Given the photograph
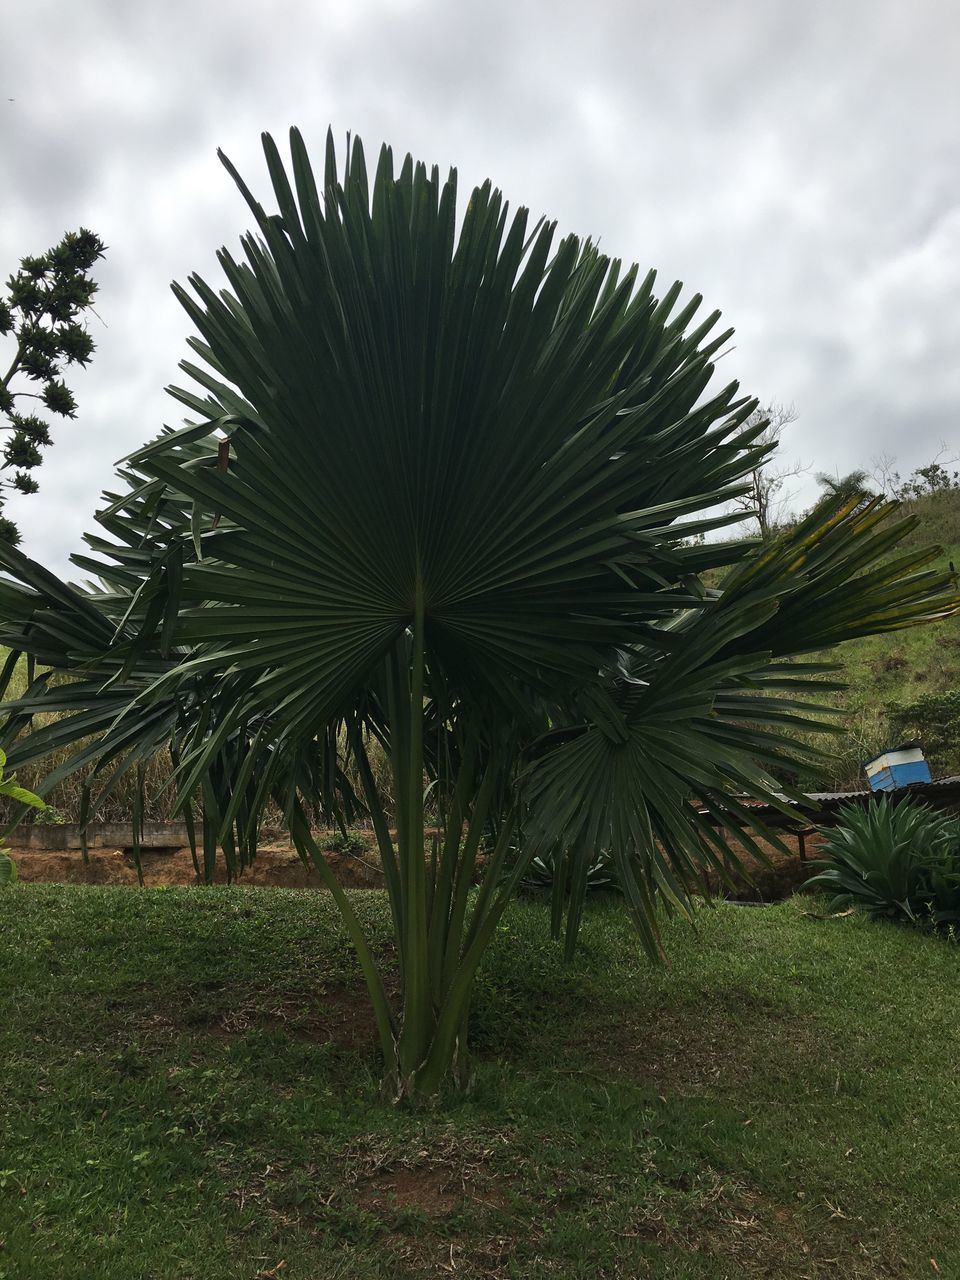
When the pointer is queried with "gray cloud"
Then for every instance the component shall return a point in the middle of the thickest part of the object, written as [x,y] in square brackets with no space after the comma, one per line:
[795,164]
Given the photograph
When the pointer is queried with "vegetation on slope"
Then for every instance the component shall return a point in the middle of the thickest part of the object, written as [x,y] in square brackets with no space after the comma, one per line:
[919,666]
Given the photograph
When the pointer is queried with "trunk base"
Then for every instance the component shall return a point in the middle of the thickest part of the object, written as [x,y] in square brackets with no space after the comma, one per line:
[424,1087]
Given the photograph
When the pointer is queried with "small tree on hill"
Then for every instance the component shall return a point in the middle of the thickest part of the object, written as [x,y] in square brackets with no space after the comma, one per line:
[933,478]
[937,476]
[41,312]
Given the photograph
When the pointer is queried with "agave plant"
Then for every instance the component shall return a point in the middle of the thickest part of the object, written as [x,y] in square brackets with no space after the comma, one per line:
[893,858]
[544,875]
[441,489]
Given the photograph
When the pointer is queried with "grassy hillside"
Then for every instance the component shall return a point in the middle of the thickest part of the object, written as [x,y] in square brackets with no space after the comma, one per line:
[190,1090]
[889,671]
[897,670]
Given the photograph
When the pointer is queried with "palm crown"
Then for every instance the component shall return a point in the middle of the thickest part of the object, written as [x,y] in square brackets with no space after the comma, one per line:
[439,490]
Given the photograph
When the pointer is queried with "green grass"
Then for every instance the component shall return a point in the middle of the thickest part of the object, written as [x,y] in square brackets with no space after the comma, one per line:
[190,1089]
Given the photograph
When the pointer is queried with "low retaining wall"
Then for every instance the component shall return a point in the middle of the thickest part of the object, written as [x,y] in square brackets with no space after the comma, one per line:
[100,835]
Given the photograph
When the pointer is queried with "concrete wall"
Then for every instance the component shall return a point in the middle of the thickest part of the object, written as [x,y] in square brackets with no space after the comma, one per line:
[100,835]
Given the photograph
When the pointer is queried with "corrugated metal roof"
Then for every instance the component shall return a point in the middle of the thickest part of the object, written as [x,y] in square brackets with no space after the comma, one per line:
[837,797]
[818,797]
[833,797]
[821,798]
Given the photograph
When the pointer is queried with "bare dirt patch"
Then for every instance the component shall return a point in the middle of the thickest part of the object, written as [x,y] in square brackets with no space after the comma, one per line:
[771,881]
[434,1191]
[276,866]
[435,1179]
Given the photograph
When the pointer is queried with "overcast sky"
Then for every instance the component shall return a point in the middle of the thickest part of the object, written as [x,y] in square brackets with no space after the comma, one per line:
[795,163]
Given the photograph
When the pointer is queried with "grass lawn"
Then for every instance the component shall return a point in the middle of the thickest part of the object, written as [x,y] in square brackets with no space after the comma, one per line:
[190,1089]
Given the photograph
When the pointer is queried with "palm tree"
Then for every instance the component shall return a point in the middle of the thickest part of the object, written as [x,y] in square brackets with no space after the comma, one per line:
[852,485]
[438,493]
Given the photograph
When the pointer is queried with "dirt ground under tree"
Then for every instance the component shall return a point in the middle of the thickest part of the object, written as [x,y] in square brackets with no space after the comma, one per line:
[278,866]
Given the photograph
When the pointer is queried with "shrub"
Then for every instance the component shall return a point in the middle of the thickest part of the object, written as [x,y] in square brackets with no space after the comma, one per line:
[48,816]
[348,843]
[896,859]
[17,796]
[935,719]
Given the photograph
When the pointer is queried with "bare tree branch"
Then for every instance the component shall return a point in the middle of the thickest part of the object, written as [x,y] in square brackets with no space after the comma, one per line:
[769,498]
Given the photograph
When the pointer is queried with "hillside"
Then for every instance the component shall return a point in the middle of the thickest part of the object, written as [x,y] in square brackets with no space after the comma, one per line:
[900,670]
[904,668]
